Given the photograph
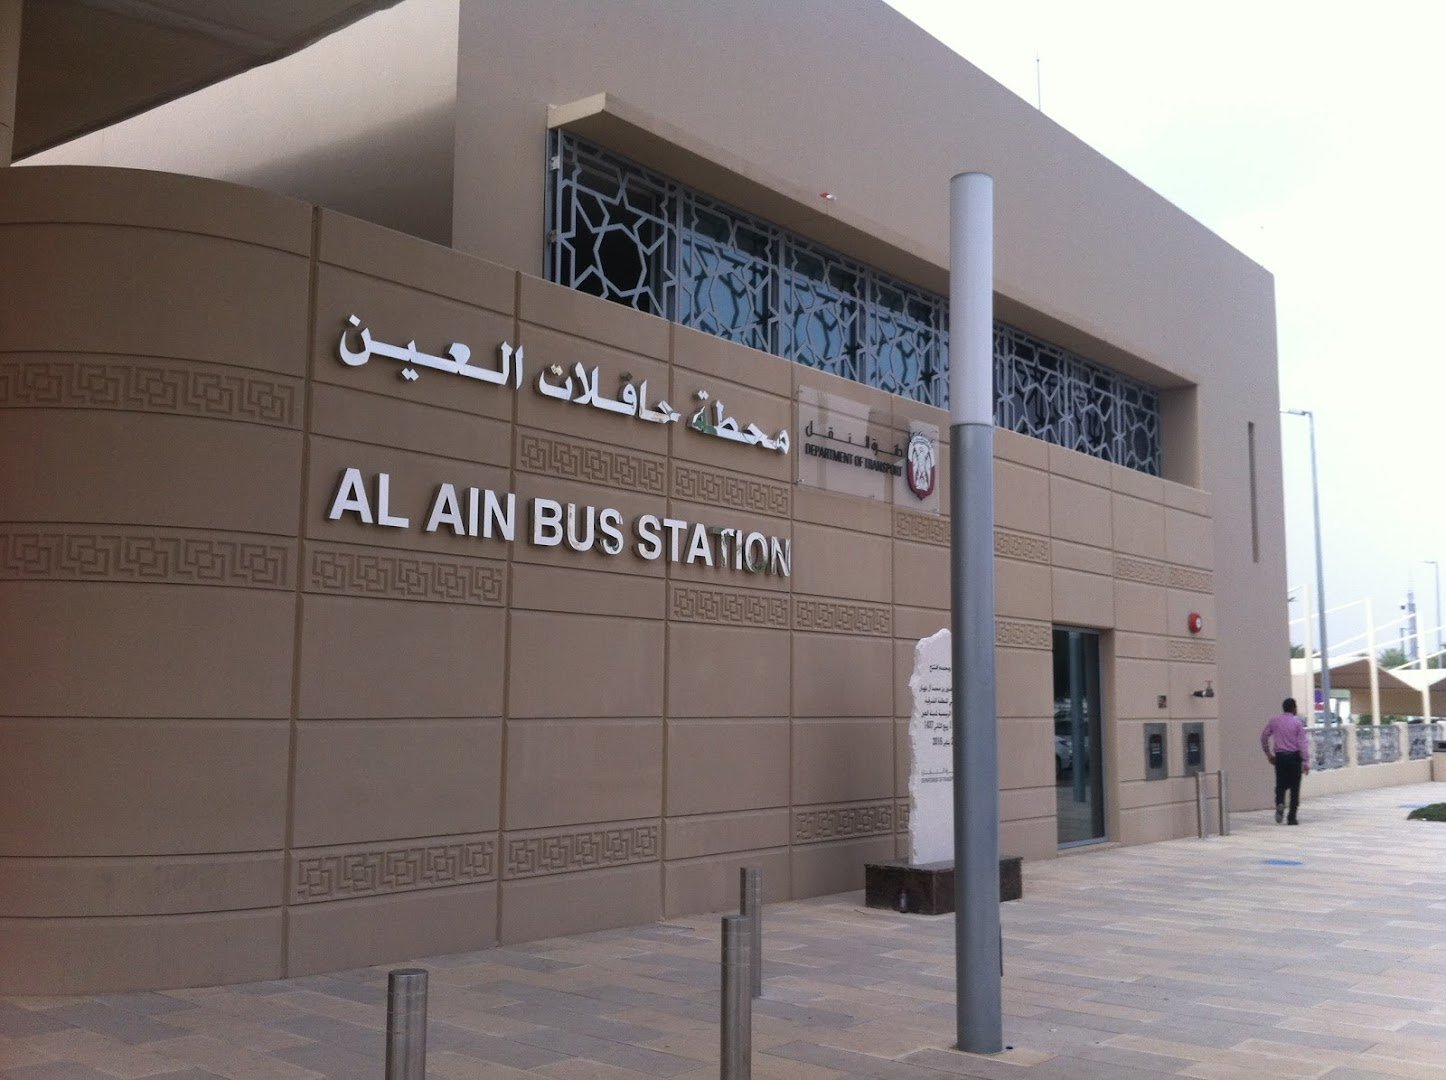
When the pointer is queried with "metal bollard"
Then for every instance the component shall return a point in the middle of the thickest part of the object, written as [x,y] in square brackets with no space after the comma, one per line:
[750,905]
[1224,805]
[1202,802]
[407,1024]
[735,1061]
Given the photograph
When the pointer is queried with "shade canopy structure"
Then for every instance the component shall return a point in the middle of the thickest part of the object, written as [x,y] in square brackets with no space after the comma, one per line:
[1400,688]
[86,64]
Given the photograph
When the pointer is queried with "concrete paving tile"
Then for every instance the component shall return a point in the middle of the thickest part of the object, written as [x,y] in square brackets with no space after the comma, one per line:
[1280,1068]
[546,996]
[323,1029]
[1214,1070]
[881,1040]
[53,1072]
[451,1066]
[529,961]
[17,1052]
[849,1062]
[338,1062]
[1077,1068]
[228,1061]
[630,997]
[235,1030]
[499,1051]
[970,1066]
[101,1052]
[146,1004]
[641,1059]
[601,1027]
[15,1021]
[312,1003]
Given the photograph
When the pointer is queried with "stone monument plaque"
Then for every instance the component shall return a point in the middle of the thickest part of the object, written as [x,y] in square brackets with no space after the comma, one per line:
[931,752]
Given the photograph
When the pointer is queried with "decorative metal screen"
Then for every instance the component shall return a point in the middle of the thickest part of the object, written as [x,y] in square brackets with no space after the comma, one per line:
[1327,747]
[619,231]
[1390,743]
[1052,394]
[1367,749]
[1419,741]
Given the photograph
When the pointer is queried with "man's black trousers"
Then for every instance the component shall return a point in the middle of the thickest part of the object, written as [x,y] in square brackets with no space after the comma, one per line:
[1287,778]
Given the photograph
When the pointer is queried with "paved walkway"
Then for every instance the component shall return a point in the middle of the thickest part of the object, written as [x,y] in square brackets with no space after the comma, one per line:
[1276,952]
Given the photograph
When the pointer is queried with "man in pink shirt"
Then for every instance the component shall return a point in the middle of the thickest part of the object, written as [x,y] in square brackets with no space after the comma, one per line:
[1287,747]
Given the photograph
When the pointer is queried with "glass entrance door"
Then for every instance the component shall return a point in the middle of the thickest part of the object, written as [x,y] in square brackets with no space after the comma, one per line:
[1079,781]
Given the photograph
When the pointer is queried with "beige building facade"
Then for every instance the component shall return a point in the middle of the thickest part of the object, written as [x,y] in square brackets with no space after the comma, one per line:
[331,644]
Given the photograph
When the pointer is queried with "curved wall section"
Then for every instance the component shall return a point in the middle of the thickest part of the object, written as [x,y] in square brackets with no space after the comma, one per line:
[152,362]
[246,734]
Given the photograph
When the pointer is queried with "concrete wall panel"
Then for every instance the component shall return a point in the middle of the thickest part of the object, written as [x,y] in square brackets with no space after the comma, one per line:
[417,742]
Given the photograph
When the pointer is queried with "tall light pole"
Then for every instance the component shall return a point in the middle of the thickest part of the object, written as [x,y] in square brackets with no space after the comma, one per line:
[1437,567]
[1325,663]
[978,983]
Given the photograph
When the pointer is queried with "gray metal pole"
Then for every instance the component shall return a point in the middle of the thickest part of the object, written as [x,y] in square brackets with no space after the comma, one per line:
[1436,566]
[407,1024]
[1325,670]
[978,1008]
[1202,803]
[750,905]
[735,1028]
[1325,655]
[1224,805]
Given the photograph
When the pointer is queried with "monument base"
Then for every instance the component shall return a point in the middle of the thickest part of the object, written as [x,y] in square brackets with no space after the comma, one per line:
[928,888]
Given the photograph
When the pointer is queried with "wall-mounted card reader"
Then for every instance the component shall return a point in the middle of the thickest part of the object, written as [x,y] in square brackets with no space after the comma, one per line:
[1157,759]
[1194,748]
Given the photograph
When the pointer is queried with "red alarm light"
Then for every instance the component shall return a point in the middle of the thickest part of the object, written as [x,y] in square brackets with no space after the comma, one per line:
[1195,622]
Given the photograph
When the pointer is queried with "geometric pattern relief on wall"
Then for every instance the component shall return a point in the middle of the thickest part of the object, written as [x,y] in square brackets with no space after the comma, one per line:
[343,875]
[149,386]
[403,577]
[1144,571]
[587,849]
[842,618]
[570,460]
[715,488]
[1190,650]
[80,553]
[925,528]
[816,824]
[1023,635]
[728,607]
[1015,545]
[1194,580]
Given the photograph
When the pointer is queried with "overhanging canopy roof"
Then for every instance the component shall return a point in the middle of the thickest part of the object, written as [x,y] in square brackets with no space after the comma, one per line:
[1356,675]
[86,64]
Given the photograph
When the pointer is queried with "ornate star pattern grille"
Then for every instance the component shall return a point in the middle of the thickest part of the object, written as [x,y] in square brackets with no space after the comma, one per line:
[622,232]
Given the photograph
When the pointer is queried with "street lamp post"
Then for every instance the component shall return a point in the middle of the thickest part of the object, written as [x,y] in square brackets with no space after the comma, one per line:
[1325,666]
[1437,567]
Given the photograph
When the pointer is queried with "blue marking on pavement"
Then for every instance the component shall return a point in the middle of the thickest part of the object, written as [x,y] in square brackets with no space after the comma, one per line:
[1282,862]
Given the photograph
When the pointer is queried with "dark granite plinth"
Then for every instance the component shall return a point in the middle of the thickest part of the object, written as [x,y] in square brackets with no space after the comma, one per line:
[928,888]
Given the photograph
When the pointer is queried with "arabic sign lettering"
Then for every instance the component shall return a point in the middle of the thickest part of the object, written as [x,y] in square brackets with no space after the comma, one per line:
[931,752]
[580,387]
[851,449]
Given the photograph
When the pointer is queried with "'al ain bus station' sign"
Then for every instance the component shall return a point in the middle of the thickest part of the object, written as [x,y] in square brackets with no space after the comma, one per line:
[847,449]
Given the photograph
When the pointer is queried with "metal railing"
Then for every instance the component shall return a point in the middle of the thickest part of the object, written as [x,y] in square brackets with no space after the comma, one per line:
[1341,746]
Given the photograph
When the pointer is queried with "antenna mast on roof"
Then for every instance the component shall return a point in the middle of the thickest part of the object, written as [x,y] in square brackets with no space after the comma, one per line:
[1038,95]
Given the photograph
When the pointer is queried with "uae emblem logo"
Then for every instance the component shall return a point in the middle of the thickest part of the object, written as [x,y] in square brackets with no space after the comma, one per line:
[922,465]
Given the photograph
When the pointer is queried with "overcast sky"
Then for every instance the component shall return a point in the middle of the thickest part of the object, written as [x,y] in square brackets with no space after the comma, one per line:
[1310,136]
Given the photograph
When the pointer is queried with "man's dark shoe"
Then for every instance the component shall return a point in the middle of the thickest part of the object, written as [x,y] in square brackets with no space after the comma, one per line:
[1279,813]
[1292,821]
